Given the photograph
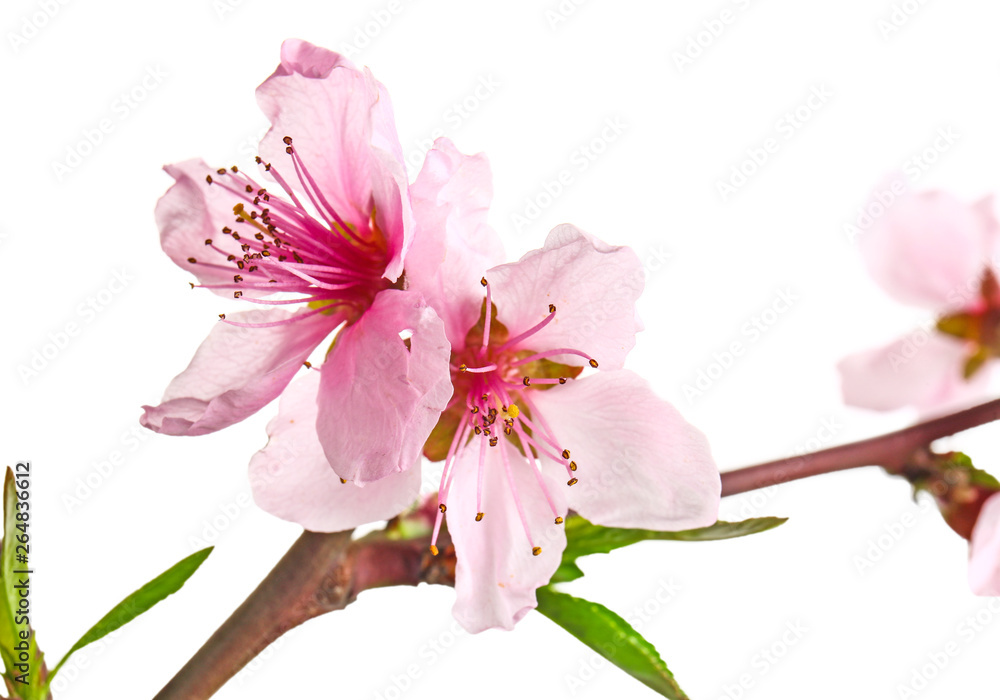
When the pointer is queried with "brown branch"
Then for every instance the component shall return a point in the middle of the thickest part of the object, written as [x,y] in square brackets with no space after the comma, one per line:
[889,451]
[319,574]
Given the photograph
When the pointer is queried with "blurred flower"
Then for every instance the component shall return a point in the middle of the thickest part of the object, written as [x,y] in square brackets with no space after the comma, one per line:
[325,237]
[984,550]
[932,251]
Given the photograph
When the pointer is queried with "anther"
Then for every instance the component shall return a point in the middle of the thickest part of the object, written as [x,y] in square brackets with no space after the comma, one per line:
[493,441]
[249,188]
[434,550]
[289,150]
[475,409]
[230,258]
[234,168]
[483,282]
[562,380]
[479,516]
[443,507]
[222,316]
[237,278]
[479,431]
[593,363]
[237,294]
[221,171]
[572,481]
[463,368]
[287,140]
[572,466]
[226,229]
[208,241]
[208,179]
[536,550]
[240,264]
[343,481]
[559,521]
[565,454]
[526,381]
[552,308]
[192,260]
[307,364]
[192,284]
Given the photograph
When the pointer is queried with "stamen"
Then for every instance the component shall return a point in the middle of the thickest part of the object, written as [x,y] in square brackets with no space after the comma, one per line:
[489,316]
[528,333]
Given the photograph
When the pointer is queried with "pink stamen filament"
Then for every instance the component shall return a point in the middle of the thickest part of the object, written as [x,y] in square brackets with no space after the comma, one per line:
[550,353]
[528,333]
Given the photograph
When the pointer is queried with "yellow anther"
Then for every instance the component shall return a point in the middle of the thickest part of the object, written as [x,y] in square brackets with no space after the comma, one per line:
[479,516]
[572,481]
[559,521]
[565,454]
[443,507]
[536,550]
[434,550]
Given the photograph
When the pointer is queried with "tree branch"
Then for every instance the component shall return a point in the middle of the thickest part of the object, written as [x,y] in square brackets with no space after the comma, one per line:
[322,572]
[889,451]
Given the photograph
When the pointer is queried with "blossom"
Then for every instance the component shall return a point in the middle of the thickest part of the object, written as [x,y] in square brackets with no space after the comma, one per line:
[318,246]
[526,437]
[932,251]
[984,550]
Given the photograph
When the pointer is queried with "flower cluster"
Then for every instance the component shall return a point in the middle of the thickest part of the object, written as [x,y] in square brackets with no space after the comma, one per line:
[511,374]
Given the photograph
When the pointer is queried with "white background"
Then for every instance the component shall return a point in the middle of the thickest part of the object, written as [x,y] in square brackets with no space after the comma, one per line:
[710,608]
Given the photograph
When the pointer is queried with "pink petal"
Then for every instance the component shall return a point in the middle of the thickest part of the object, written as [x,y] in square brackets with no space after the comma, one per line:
[929,249]
[984,550]
[496,574]
[236,372]
[292,479]
[378,400]
[922,369]
[594,287]
[341,123]
[453,246]
[191,212]
[640,463]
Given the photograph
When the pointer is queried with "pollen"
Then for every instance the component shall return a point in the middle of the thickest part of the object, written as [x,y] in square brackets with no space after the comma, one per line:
[513,411]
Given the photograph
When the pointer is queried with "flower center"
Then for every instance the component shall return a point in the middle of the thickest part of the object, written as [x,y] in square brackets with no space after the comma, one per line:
[494,378]
[285,244]
[979,325]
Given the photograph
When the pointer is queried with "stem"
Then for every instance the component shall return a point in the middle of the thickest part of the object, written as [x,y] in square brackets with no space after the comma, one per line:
[321,572]
[890,451]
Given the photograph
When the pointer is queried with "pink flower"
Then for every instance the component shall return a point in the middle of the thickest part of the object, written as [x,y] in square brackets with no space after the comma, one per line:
[984,550]
[327,234]
[523,438]
[933,251]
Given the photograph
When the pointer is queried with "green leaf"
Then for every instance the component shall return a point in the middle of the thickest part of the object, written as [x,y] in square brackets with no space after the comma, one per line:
[583,538]
[962,461]
[134,605]
[612,637]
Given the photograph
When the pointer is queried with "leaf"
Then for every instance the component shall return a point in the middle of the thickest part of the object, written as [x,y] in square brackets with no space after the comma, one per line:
[583,538]
[612,637]
[962,461]
[134,605]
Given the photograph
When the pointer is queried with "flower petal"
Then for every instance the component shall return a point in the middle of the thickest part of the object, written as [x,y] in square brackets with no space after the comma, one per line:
[929,249]
[292,479]
[453,245]
[640,463]
[496,574]
[341,124]
[594,287]
[237,371]
[379,400]
[984,550]
[191,212]
[922,369]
